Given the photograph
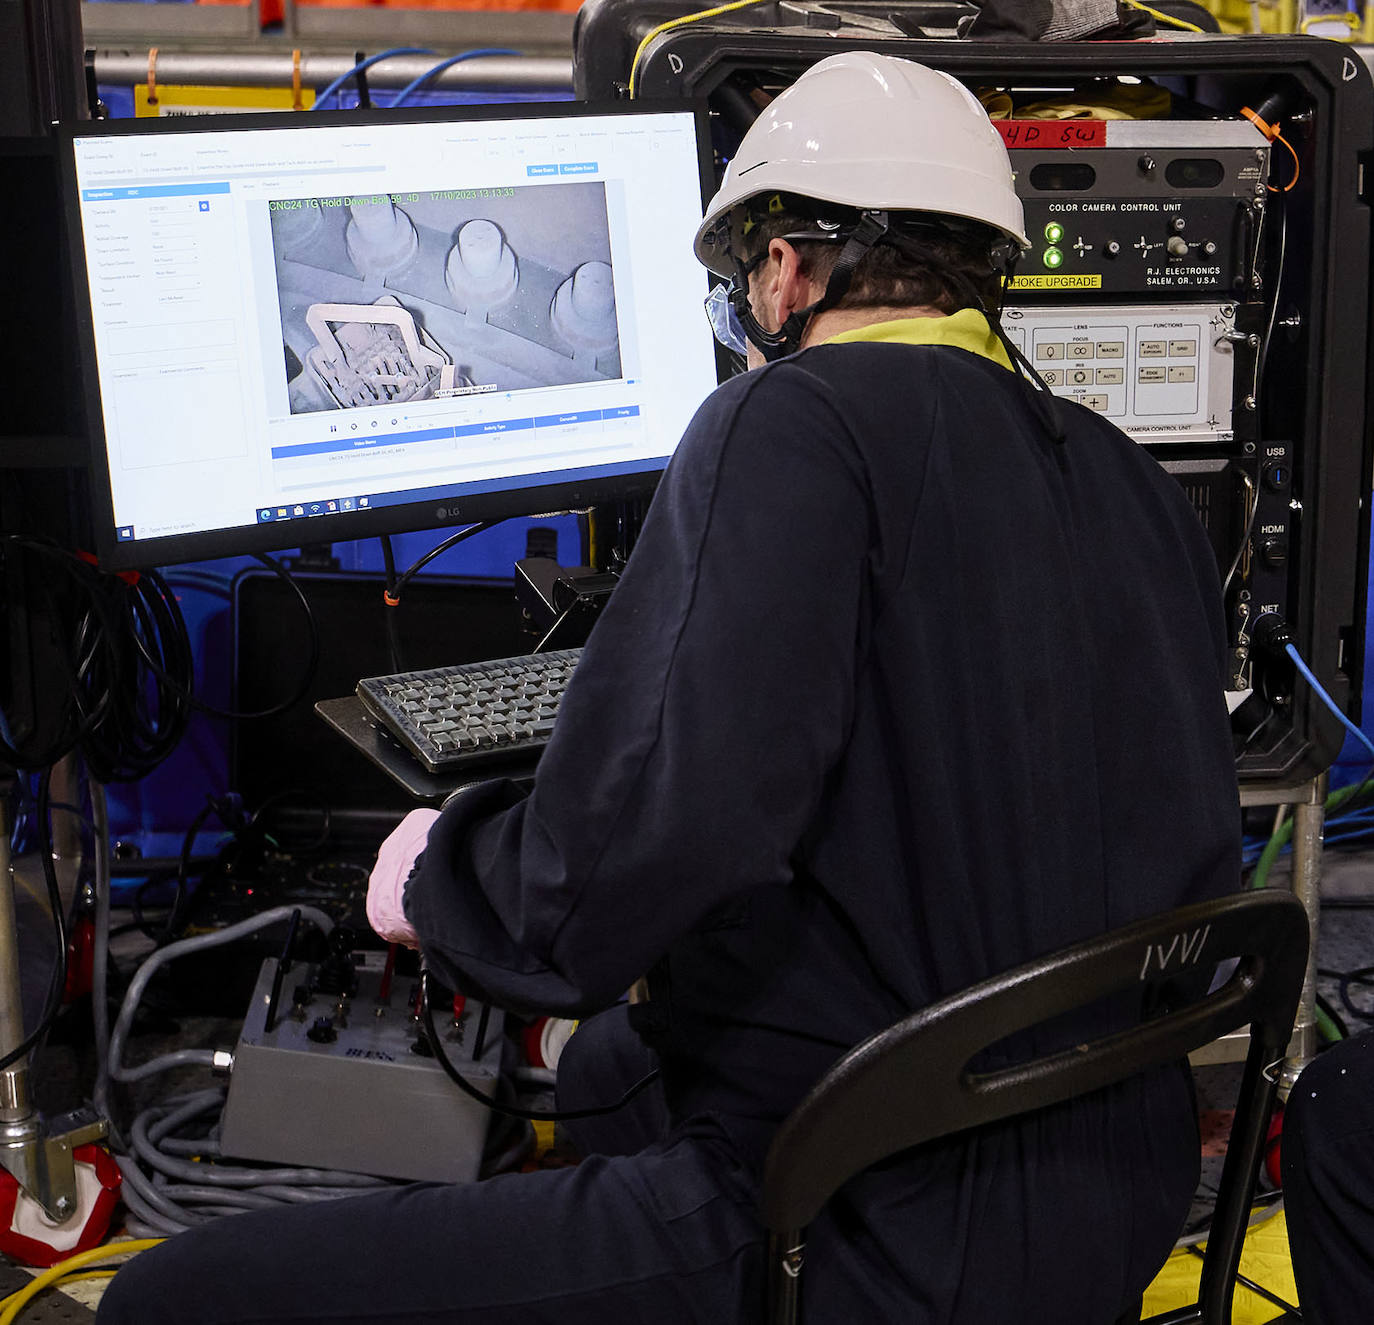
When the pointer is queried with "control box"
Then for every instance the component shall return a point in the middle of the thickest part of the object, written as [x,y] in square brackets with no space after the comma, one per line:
[1172,209]
[327,1078]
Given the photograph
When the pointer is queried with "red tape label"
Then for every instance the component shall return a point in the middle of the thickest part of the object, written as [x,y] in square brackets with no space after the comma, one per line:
[1053,133]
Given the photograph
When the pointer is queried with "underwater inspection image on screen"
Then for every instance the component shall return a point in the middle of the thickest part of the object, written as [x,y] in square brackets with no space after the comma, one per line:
[486,289]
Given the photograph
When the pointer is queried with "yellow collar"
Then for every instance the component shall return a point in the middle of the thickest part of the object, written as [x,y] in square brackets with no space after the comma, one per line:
[965,330]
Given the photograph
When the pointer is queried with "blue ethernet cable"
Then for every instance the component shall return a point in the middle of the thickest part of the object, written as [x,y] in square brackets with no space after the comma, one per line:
[367,64]
[416,84]
[1317,689]
[1269,631]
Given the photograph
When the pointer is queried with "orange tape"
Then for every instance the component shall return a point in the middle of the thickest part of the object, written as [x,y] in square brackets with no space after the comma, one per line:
[296,81]
[152,75]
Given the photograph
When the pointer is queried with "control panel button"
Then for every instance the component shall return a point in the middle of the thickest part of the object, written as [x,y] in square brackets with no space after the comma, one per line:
[1054,232]
[1115,358]
[1052,258]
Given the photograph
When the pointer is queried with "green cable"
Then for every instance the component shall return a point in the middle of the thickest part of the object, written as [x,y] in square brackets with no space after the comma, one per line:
[1327,1027]
[1284,835]
[1275,844]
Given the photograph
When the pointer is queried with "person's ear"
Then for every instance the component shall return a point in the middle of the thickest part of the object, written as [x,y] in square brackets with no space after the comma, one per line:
[789,288]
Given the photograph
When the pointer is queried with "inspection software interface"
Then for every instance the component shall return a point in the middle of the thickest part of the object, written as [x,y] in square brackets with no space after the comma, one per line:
[293,322]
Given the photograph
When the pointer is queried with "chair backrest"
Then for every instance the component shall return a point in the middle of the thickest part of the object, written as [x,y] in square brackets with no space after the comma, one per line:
[912,1082]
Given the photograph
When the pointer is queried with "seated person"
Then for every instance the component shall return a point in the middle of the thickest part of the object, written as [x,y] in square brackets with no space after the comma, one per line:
[1328,1183]
[915,674]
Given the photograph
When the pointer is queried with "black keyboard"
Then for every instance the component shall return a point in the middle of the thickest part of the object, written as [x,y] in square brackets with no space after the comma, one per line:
[449,717]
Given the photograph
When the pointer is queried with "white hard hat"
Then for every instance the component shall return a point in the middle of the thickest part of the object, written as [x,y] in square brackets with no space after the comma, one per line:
[871,131]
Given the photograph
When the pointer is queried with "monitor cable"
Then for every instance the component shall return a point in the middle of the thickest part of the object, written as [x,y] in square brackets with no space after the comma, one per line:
[123,715]
[391,594]
[183,677]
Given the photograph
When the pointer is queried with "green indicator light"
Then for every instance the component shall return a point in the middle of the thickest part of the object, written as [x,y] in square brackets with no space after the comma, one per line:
[1053,258]
[1054,232]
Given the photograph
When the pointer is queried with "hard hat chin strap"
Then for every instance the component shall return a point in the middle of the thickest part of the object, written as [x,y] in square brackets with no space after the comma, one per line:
[875,227]
[774,345]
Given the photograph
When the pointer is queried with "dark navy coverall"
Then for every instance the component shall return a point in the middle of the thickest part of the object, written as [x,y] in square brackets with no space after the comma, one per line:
[896,692]
[1327,1153]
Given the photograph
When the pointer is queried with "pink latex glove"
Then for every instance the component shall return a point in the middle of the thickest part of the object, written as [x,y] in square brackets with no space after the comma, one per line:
[386,885]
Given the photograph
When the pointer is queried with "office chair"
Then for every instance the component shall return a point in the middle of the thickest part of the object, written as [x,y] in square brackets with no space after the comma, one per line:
[912,1082]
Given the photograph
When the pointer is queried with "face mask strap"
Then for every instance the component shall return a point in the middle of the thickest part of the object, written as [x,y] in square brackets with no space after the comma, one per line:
[771,344]
[875,227]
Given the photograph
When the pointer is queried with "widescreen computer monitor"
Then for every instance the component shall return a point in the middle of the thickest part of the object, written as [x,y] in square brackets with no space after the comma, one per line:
[306,328]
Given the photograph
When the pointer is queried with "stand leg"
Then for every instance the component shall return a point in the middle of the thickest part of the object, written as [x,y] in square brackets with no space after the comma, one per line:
[16,1108]
[1309,820]
[37,1162]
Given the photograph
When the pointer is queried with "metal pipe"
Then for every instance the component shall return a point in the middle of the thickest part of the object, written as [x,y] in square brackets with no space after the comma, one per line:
[1309,821]
[15,1104]
[274,69]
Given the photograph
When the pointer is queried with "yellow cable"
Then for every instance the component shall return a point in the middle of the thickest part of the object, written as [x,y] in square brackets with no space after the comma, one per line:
[1160,17]
[16,1302]
[75,1277]
[677,23]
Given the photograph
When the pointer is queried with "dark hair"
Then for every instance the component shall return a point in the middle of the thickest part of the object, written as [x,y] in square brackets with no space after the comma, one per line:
[935,252]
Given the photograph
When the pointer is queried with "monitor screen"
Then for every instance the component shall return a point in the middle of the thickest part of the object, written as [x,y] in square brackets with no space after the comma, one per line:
[313,327]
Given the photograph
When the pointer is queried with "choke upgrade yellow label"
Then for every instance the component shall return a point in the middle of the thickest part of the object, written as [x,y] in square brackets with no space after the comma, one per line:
[1060,280]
